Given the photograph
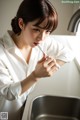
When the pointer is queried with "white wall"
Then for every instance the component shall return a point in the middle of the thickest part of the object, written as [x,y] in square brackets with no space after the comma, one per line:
[8,10]
[64,14]
[76,7]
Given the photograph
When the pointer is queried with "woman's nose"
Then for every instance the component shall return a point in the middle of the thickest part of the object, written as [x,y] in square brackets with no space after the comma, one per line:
[42,35]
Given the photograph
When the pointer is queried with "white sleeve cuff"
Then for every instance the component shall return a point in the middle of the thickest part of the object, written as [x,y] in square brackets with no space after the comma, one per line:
[16,89]
[11,91]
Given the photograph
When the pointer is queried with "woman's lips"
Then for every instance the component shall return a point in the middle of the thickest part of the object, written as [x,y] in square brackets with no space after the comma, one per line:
[36,43]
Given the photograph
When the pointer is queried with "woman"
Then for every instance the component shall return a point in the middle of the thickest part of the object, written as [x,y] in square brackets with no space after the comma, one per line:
[22,63]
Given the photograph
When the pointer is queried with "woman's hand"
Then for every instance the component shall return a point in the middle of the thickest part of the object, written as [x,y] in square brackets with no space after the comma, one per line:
[46,67]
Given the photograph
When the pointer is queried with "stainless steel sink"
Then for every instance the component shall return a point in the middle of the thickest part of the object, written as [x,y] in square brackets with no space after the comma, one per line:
[55,108]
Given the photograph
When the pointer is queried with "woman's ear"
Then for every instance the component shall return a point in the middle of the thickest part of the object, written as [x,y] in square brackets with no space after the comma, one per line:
[21,23]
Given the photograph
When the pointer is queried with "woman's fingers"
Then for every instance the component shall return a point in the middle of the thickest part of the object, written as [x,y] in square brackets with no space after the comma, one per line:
[43,59]
[49,61]
[52,70]
[51,66]
[46,67]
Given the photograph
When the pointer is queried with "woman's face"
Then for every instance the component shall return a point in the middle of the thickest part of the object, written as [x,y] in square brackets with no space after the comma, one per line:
[32,35]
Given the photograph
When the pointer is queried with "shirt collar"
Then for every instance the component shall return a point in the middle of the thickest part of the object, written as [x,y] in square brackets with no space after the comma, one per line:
[9,43]
[7,40]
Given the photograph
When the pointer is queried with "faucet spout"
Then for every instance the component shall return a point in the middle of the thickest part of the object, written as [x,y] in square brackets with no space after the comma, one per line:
[74,22]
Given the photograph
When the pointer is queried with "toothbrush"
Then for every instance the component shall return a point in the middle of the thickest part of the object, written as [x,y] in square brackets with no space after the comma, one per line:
[42,50]
[46,55]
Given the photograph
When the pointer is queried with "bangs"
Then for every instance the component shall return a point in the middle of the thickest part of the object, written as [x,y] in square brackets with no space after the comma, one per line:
[51,24]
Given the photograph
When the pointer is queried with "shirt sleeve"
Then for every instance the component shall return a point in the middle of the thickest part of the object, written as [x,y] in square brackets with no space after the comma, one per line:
[59,50]
[8,89]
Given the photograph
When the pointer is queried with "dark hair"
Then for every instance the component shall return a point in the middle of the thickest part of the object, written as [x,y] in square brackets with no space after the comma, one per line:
[30,10]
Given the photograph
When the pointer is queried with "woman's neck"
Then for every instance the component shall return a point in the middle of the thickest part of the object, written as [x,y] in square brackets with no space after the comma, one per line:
[18,40]
[25,49]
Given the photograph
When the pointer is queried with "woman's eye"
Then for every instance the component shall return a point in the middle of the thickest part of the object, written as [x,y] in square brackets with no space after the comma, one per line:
[48,32]
[35,29]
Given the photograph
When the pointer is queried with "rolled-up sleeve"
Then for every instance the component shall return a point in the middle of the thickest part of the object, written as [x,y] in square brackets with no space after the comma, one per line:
[8,88]
[59,51]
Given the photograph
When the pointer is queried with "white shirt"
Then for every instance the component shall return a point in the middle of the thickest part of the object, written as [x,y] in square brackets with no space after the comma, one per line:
[13,68]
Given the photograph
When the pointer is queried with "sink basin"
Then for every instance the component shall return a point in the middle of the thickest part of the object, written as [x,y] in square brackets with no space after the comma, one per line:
[55,108]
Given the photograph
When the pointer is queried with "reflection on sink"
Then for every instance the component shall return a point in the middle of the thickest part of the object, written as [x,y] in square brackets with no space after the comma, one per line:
[55,108]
